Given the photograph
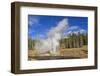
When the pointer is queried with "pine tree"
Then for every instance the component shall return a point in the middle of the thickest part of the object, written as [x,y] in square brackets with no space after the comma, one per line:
[81,40]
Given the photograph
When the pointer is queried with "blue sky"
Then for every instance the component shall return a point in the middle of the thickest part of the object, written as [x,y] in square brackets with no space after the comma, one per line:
[39,25]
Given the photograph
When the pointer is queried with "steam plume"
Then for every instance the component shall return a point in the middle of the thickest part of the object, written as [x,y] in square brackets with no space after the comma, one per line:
[51,44]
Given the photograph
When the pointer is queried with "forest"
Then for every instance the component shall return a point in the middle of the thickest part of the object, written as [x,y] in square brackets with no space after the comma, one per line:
[74,41]
[71,41]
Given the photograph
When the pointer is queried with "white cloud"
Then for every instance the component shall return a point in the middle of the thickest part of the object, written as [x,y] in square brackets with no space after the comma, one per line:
[82,31]
[33,21]
[69,32]
[73,28]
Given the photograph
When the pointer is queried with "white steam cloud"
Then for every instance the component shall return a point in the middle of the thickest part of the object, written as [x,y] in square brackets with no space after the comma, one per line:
[51,44]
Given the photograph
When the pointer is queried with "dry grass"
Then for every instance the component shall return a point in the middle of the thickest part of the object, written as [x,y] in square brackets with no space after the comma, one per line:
[75,52]
[69,52]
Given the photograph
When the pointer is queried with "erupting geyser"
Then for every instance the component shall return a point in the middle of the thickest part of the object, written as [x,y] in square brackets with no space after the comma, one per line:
[51,44]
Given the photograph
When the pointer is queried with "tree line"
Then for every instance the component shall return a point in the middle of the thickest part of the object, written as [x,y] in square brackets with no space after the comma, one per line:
[74,41]
[31,44]
[71,41]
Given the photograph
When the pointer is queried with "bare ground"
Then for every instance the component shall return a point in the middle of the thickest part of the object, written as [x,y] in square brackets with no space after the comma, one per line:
[69,53]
